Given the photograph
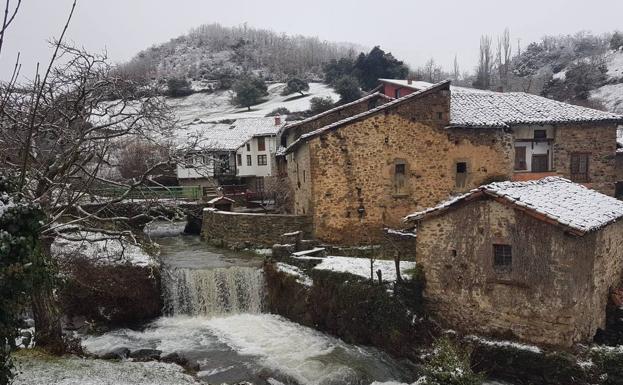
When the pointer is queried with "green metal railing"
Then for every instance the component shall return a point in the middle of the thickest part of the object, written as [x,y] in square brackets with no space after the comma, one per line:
[172,192]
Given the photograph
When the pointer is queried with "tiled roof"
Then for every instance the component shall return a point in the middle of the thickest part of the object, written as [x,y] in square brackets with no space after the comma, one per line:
[470,107]
[372,111]
[553,199]
[499,110]
[227,137]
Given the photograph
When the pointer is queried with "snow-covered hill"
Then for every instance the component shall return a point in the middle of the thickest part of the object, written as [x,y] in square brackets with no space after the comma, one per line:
[202,107]
[611,95]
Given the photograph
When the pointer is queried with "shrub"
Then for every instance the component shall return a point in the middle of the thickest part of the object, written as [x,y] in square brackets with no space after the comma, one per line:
[295,85]
[616,41]
[319,104]
[279,111]
[178,87]
[348,89]
[249,91]
[449,365]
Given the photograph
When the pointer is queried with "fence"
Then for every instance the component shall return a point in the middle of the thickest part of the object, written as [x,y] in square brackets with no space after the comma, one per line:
[171,192]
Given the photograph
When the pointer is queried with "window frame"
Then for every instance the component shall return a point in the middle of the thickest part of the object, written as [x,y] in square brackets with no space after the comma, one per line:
[248,146]
[239,159]
[261,143]
[249,161]
[518,162]
[544,137]
[502,257]
[262,160]
[400,171]
[580,177]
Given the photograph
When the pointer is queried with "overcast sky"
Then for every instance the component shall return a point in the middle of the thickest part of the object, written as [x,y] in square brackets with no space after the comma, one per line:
[413,30]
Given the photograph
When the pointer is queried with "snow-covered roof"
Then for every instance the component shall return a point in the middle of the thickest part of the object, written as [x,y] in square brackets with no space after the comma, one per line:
[221,198]
[470,107]
[552,199]
[227,137]
[372,111]
[504,109]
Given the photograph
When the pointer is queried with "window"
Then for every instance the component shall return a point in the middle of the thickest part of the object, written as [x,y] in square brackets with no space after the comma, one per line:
[461,174]
[249,160]
[248,146]
[188,161]
[400,176]
[262,160]
[579,167]
[540,134]
[261,144]
[502,257]
[520,158]
[540,163]
[397,93]
[239,159]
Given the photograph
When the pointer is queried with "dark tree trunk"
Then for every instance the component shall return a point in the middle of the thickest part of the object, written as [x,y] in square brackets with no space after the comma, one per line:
[397,263]
[46,312]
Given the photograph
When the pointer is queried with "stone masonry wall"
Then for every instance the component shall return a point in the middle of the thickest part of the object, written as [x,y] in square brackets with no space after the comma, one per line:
[357,108]
[237,229]
[353,194]
[597,139]
[552,295]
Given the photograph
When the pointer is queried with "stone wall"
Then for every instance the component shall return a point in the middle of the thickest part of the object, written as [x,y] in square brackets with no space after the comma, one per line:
[353,194]
[599,140]
[555,293]
[241,229]
[325,119]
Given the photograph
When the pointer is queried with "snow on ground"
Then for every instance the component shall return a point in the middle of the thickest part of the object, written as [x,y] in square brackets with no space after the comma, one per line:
[361,266]
[70,370]
[509,344]
[217,105]
[611,96]
[102,249]
[301,277]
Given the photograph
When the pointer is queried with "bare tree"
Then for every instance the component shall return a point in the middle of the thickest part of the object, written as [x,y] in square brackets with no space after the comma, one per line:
[485,64]
[503,57]
[57,133]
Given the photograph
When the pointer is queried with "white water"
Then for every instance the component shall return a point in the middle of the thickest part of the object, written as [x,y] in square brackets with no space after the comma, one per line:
[214,303]
[211,292]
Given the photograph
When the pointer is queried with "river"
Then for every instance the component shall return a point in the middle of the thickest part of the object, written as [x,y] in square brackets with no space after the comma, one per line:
[215,316]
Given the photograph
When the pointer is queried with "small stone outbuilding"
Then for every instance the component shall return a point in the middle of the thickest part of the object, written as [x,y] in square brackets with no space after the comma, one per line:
[534,260]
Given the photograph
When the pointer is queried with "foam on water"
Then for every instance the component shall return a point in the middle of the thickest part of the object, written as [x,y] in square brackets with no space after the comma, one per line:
[258,342]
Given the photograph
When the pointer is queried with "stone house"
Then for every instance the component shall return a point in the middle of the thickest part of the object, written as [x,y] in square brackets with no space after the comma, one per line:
[532,260]
[362,173]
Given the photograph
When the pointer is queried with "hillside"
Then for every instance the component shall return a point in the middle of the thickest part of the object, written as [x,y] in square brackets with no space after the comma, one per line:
[582,69]
[215,52]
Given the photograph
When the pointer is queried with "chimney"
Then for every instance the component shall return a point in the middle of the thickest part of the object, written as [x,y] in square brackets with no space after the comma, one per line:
[277,120]
[409,81]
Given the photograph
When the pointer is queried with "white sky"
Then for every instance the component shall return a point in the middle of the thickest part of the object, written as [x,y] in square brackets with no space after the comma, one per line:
[413,30]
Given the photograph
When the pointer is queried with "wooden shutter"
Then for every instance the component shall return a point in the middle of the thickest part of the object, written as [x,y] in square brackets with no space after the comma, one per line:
[520,158]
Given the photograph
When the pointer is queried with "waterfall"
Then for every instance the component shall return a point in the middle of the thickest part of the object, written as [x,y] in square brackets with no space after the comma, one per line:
[210,292]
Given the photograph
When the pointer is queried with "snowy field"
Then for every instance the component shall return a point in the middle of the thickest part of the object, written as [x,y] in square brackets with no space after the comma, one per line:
[43,370]
[217,106]
[611,95]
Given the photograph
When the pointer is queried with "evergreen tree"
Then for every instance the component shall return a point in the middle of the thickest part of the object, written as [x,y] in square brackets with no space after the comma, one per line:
[319,104]
[295,85]
[348,89]
[178,87]
[378,64]
[249,91]
[336,69]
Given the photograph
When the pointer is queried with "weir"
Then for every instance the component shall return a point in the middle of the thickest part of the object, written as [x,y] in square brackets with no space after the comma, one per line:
[214,291]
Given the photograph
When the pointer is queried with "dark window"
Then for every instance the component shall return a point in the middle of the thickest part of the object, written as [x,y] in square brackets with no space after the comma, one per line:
[461,174]
[262,160]
[248,146]
[261,144]
[540,134]
[188,161]
[239,159]
[540,163]
[397,93]
[502,257]
[579,167]
[249,160]
[520,158]
[440,115]
[400,176]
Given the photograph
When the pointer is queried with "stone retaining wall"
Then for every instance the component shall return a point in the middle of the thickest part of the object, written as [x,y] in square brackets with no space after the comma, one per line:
[224,228]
